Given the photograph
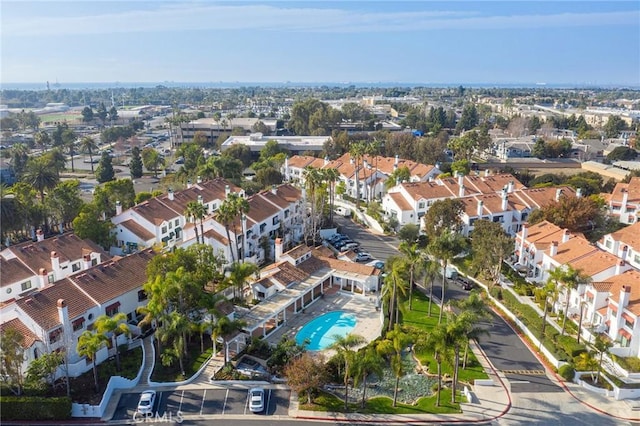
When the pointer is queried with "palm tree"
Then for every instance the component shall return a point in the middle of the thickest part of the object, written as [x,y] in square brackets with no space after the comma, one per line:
[571,281]
[176,329]
[437,342]
[356,151]
[57,160]
[88,145]
[114,326]
[473,305]
[445,247]
[230,209]
[312,182]
[395,284]
[412,257]
[42,139]
[551,288]
[429,271]
[331,176]
[601,345]
[40,175]
[344,345]
[69,142]
[369,361]
[196,211]
[396,341]
[238,276]
[89,343]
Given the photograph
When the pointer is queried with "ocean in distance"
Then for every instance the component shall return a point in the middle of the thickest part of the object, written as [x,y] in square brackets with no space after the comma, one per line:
[230,85]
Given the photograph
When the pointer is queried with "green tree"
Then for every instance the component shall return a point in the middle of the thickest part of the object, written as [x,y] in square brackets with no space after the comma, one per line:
[602,345]
[461,166]
[40,175]
[102,113]
[56,159]
[113,326]
[343,345]
[614,126]
[622,153]
[89,343]
[88,145]
[399,175]
[113,114]
[225,328]
[368,361]
[394,287]
[106,196]
[196,211]
[396,342]
[468,119]
[444,248]
[135,165]
[19,154]
[42,139]
[306,374]
[539,148]
[87,114]
[89,224]
[230,209]
[12,355]
[573,213]
[42,371]
[152,160]
[268,176]
[69,139]
[239,276]
[64,202]
[571,280]
[443,216]
[437,342]
[105,172]
[490,245]
[412,256]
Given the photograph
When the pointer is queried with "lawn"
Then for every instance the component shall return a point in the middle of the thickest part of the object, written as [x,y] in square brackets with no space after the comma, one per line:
[418,317]
[192,363]
[83,387]
[382,405]
[52,118]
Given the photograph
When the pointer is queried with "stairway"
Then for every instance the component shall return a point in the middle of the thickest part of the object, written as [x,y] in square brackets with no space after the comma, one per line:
[149,360]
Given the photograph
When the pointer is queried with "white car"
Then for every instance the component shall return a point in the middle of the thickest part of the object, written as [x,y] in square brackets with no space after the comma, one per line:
[363,256]
[256,400]
[147,399]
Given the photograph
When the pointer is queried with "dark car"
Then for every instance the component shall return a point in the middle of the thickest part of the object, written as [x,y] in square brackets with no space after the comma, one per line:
[465,284]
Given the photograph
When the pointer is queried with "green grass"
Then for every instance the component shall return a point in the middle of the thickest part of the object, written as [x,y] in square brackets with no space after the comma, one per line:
[381,405]
[192,363]
[418,316]
[51,118]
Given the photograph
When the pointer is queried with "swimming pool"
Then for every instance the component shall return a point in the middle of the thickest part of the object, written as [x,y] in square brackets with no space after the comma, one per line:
[322,330]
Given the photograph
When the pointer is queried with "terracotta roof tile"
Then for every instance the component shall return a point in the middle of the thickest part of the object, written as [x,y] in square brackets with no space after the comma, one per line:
[42,305]
[107,281]
[595,262]
[400,201]
[13,271]
[300,161]
[629,235]
[428,190]
[260,209]
[155,211]
[629,278]
[211,233]
[573,250]
[137,230]
[27,334]
[632,188]
[602,286]
[298,251]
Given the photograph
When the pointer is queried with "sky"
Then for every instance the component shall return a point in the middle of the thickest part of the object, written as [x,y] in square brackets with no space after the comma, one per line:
[425,42]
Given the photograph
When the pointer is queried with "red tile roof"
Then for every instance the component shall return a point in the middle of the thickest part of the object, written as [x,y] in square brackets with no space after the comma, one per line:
[137,230]
[28,337]
[13,271]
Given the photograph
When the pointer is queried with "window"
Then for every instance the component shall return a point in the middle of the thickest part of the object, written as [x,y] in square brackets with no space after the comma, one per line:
[55,335]
[421,205]
[286,213]
[26,285]
[50,278]
[628,323]
[636,258]
[608,244]
[276,220]
[164,229]
[94,261]
[263,227]
[75,267]
[78,324]
[142,295]
[214,206]
[170,225]
[177,222]
[113,309]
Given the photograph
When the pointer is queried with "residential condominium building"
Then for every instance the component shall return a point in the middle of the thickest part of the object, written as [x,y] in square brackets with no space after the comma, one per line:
[29,266]
[294,144]
[624,201]
[373,172]
[624,243]
[53,317]
[497,198]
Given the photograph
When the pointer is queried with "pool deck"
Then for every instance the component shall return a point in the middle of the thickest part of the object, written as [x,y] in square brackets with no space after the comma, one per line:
[363,308]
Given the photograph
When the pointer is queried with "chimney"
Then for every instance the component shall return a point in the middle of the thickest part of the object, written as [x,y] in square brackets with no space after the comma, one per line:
[199,179]
[396,161]
[189,184]
[278,249]
[553,250]
[326,160]
[505,201]
[558,194]
[619,267]
[625,251]
[200,200]
[460,179]
[227,191]
[351,161]
[86,260]
[63,314]
[170,194]
[461,191]
[486,172]
[511,186]
[274,190]
[44,280]
[625,293]
[286,167]
[625,198]
[243,218]
[525,234]
[33,233]
[565,236]
[118,208]
[480,208]
[579,193]
[39,235]
[55,262]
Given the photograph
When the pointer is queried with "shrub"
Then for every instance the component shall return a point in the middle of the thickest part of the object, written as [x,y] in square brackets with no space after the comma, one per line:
[571,346]
[567,372]
[35,408]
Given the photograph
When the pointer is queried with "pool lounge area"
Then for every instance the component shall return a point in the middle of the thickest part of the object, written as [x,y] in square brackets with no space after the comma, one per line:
[320,332]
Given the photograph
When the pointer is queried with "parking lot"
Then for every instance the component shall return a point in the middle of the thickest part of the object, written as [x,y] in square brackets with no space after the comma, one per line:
[205,402]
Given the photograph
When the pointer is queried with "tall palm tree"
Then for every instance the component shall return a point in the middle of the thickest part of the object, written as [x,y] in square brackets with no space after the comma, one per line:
[175,332]
[344,345]
[331,176]
[57,160]
[196,211]
[437,342]
[40,175]
[88,145]
[312,182]
[395,285]
[69,142]
[368,361]
[42,139]
[114,326]
[412,257]
[240,272]
[356,151]
[551,288]
[395,343]
[231,208]
[444,248]
[572,280]
[473,305]
[601,345]
[429,271]
[89,343]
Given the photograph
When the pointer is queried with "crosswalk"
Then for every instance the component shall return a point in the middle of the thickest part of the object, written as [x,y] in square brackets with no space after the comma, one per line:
[525,372]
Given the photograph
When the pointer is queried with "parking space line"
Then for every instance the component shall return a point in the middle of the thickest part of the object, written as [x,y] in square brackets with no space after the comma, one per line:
[159,400]
[224,406]
[268,401]
[181,398]
[246,404]
[204,395]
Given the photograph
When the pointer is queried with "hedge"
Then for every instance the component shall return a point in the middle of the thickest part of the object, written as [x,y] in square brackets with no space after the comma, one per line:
[35,408]
[567,372]
[571,346]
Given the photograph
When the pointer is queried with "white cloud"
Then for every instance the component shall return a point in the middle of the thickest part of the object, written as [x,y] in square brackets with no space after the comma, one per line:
[184,17]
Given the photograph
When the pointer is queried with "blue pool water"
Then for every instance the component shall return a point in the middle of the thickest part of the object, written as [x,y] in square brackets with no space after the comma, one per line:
[321,331]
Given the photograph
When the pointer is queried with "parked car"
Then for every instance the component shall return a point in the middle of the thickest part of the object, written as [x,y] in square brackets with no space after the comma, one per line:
[256,400]
[465,283]
[147,399]
[363,256]
[351,245]
[379,265]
